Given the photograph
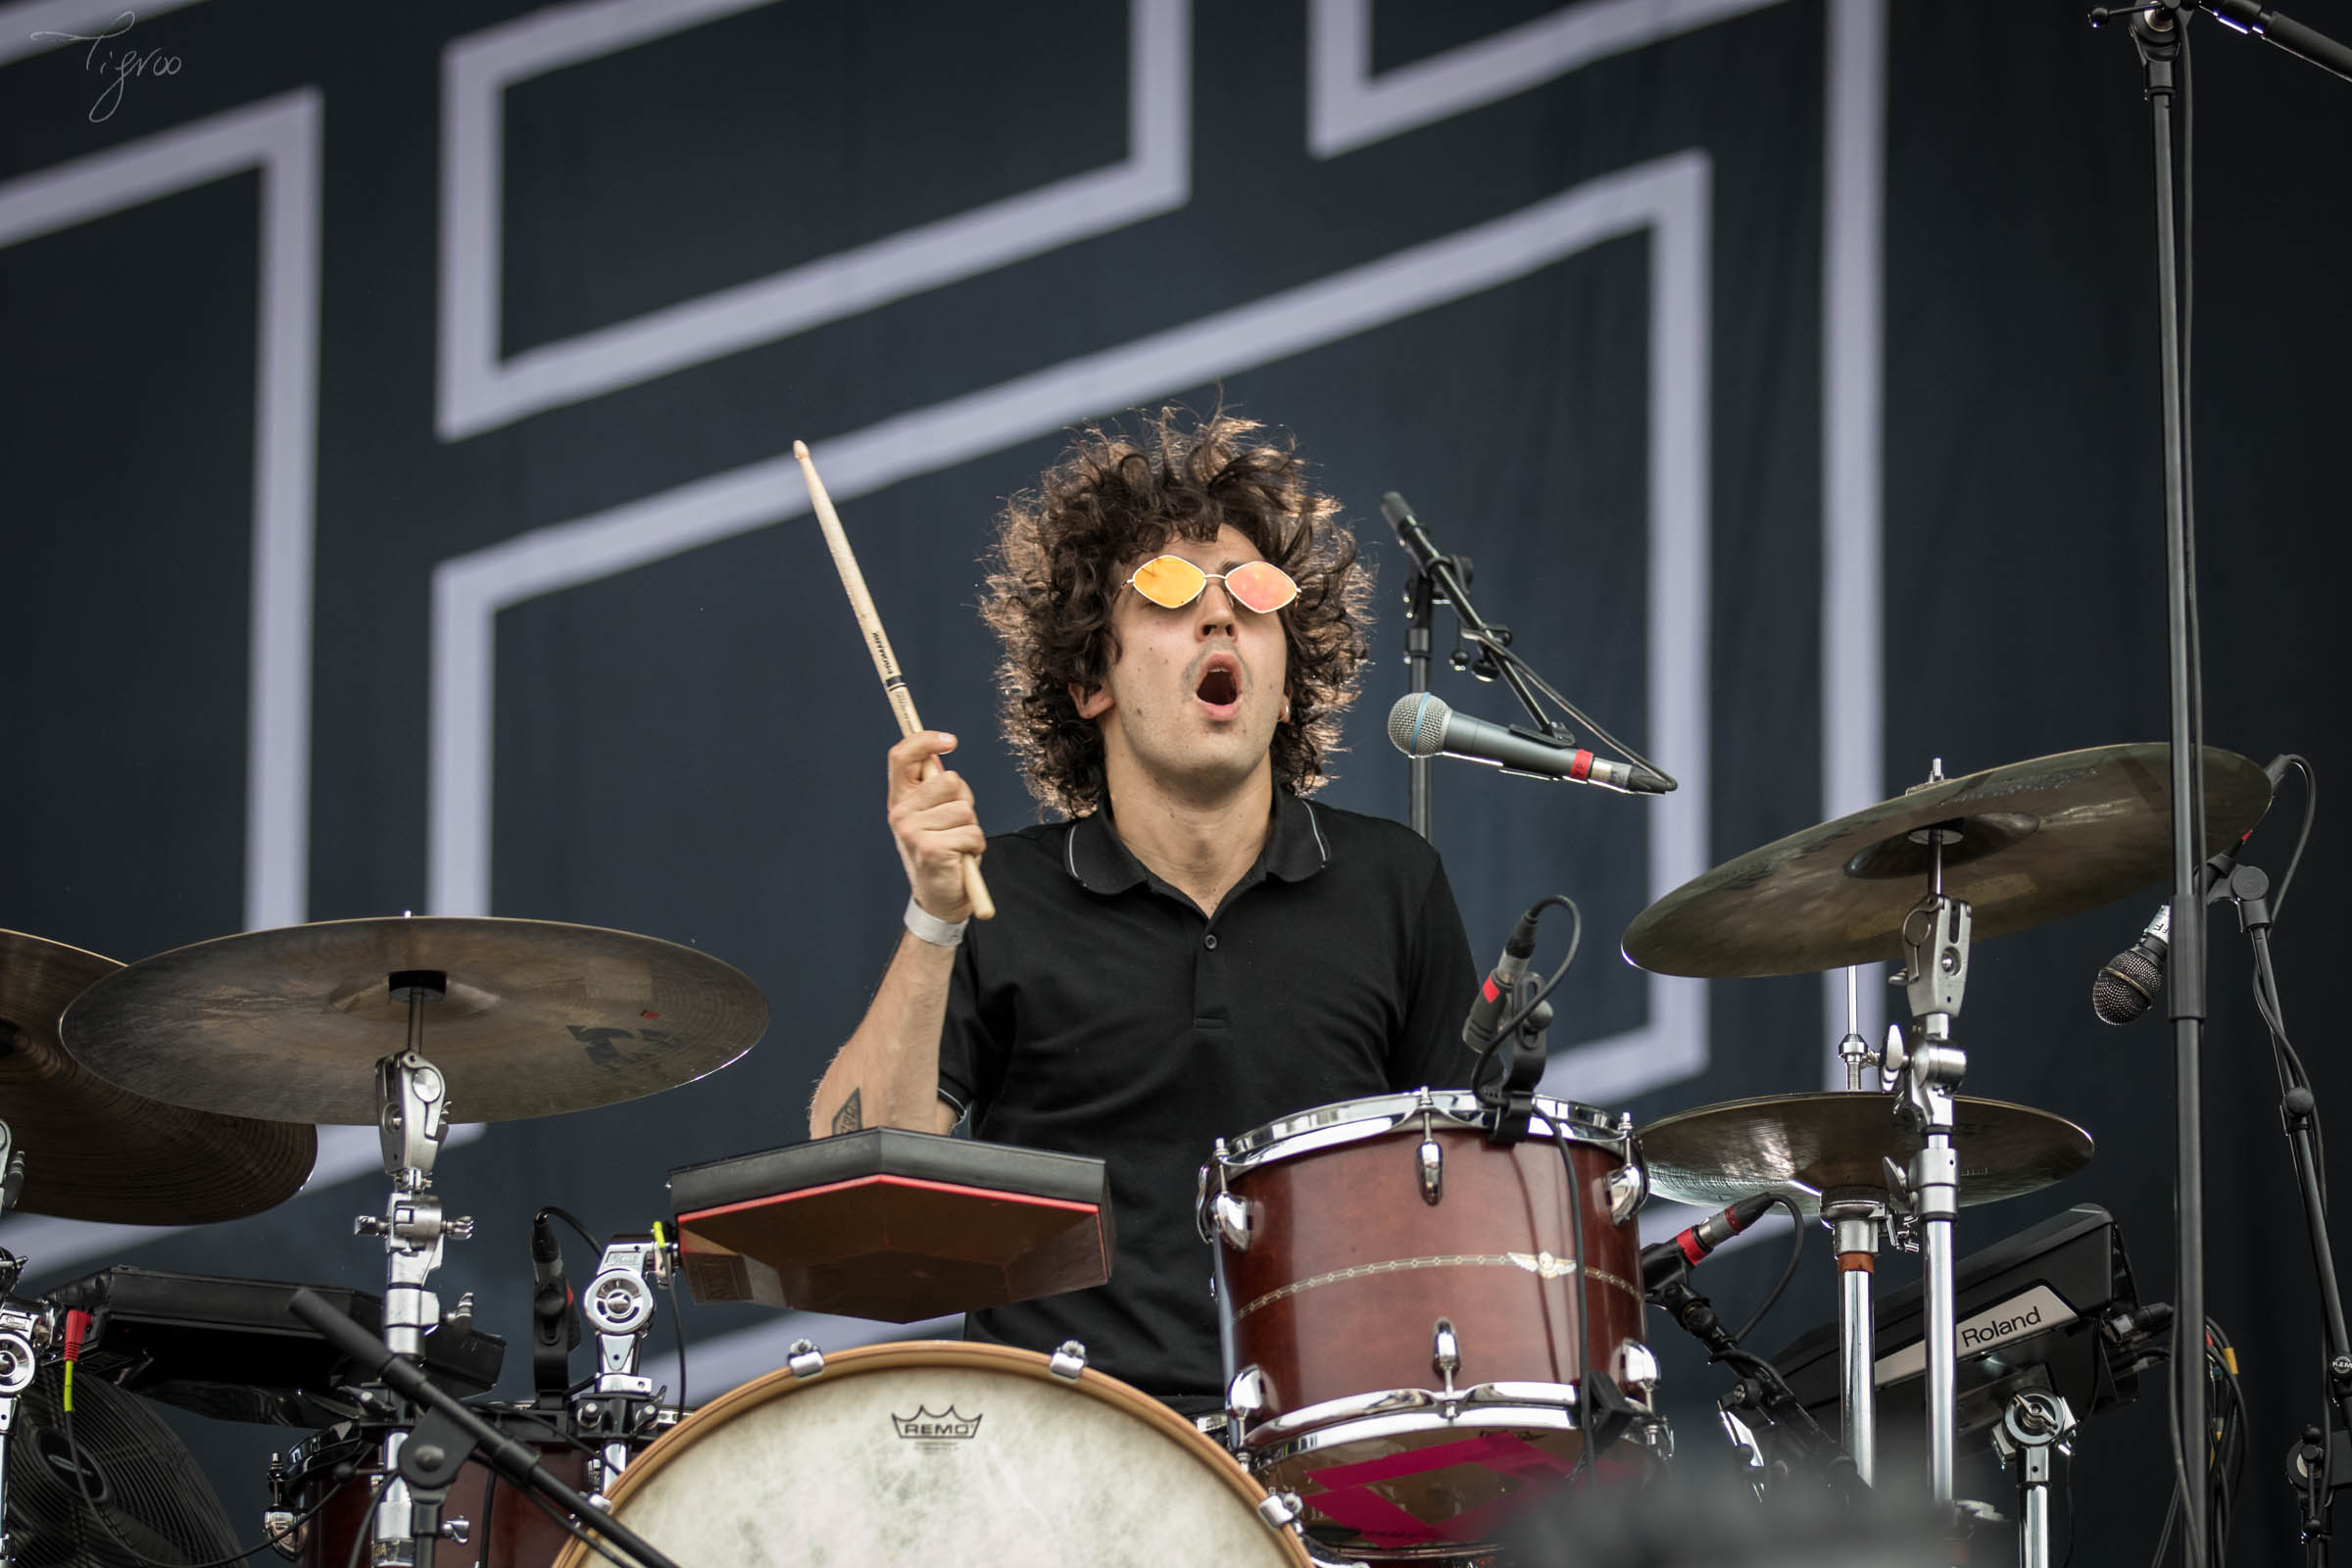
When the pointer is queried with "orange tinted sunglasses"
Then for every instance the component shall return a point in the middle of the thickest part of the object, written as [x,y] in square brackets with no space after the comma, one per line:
[1173,582]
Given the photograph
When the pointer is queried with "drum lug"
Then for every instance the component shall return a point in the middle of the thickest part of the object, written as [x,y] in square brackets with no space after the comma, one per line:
[1430,1159]
[1068,1361]
[1232,1218]
[286,1531]
[1280,1510]
[1636,1368]
[1433,1171]
[1446,1352]
[1629,1184]
[805,1358]
[1246,1394]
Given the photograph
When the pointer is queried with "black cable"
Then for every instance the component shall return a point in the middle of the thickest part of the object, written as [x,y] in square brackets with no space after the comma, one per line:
[2311,806]
[551,1211]
[593,1542]
[1796,1252]
[81,1484]
[360,1537]
[1575,939]
[678,1326]
[1584,1281]
[1502,652]
[2067,1561]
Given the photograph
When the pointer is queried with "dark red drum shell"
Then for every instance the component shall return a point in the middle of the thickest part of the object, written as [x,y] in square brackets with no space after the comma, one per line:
[1348,1269]
[520,1534]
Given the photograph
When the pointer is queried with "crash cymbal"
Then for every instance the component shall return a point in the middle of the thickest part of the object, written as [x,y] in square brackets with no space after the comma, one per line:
[539,1017]
[2038,841]
[1801,1146]
[96,1150]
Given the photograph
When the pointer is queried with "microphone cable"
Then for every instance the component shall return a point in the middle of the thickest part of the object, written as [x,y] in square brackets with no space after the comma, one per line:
[1512,1024]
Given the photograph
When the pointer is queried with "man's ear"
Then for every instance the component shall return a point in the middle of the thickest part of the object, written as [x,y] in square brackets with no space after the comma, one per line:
[1092,702]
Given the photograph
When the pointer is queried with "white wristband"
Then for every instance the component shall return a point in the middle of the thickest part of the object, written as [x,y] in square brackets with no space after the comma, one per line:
[929,927]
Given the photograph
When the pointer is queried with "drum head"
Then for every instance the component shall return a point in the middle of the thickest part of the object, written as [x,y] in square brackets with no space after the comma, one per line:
[939,1451]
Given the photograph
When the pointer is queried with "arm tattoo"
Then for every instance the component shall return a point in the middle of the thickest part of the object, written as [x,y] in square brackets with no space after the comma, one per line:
[848,1118]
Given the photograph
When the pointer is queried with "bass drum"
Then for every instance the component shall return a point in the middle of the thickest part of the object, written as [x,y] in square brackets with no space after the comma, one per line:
[936,1451]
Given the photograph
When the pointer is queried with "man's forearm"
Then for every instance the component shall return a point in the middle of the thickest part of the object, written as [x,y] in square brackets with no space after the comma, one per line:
[888,1073]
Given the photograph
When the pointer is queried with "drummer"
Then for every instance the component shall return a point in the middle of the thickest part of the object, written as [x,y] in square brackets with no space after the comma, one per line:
[1192,948]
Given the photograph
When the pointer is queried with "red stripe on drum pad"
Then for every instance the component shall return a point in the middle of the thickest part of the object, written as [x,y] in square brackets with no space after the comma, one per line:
[1347,1498]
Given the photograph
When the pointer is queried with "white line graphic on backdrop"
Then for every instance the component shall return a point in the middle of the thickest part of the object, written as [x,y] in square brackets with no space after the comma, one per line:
[479,391]
[1853,733]
[1668,197]
[1349,107]
[279,137]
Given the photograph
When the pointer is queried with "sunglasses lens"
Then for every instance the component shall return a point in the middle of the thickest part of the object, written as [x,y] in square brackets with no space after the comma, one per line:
[1171,582]
[1261,586]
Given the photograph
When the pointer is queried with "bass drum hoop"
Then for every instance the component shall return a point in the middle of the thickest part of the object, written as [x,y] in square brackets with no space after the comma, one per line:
[1099,1386]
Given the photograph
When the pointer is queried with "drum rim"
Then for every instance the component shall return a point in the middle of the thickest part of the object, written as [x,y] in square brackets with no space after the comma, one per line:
[745,1398]
[1263,1145]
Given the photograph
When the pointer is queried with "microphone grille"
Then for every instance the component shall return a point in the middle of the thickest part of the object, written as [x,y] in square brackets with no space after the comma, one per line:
[2126,987]
[1417,724]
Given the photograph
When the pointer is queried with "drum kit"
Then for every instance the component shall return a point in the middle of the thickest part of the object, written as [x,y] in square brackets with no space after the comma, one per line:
[1430,1304]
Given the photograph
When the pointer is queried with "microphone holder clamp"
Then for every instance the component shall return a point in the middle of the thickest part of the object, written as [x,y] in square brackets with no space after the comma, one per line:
[1513,1095]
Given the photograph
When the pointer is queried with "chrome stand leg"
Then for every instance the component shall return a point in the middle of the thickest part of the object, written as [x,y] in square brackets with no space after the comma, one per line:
[1854,1220]
[1935,949]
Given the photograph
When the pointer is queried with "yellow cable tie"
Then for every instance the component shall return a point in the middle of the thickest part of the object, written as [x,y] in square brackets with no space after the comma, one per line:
[2230,1358]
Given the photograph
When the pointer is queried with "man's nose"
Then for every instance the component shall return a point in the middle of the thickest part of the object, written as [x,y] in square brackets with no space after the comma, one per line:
[1216,609]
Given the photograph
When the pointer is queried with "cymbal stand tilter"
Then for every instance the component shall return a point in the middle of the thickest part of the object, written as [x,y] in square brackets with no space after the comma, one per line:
[1928,1069]
[413,1120]
[2037,1426]
[1854,1216]
[22,1332]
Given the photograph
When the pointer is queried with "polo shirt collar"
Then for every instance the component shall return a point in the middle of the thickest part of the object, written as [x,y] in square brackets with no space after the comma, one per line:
[1295,850]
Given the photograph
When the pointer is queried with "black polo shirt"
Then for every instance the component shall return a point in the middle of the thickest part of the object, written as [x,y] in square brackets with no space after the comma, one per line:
[1101,1013]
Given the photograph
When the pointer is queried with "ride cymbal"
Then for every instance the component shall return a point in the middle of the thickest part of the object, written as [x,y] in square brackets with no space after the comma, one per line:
[538,1017]
[2037,841]
[96,1150]
[1801,1146]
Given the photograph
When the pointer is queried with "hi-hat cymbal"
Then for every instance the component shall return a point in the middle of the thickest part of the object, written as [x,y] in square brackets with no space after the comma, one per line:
[2037,841]
[1801,1146]
[539,1017]
[94,1151]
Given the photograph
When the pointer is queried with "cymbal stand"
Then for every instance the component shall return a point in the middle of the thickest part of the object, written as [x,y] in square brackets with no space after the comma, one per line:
[1854,1216]
[411,1120]
[2037,1425]
[1935,978]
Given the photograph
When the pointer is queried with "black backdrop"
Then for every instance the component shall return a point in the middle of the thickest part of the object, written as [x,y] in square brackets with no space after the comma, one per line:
[400,516]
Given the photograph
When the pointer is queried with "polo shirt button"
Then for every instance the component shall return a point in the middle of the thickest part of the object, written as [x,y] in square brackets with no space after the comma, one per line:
[1209,942]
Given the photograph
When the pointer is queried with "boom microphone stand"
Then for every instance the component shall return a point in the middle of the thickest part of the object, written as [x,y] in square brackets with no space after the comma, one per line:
[2157,33]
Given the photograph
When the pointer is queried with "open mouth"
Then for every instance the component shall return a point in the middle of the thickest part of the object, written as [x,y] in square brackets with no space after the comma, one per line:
[1220,686]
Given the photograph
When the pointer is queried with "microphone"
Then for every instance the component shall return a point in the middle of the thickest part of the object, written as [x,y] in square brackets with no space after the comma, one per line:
[2128,983]
[554,1314]
[1499,990]
[1661,1260]
[1422,725]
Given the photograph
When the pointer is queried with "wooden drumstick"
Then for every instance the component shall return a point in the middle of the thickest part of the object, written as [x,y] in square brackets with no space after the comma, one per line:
[877,643]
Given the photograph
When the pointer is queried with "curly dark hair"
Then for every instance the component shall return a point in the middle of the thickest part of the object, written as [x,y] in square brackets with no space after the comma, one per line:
[1113,500]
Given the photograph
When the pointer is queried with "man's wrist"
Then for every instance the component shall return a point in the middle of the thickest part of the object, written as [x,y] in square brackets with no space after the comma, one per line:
[930,928]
